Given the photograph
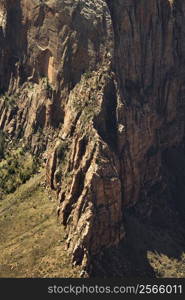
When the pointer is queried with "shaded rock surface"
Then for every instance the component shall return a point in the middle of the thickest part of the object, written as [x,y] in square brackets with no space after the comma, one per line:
[98,88]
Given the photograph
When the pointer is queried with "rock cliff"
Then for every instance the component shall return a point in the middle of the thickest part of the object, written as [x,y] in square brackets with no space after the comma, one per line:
[97,88]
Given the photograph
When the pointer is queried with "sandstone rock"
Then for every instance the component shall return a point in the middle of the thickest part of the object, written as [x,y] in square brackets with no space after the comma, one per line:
[104,81]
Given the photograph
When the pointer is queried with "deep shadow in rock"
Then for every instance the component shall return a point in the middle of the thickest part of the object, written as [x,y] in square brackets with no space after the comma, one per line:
[155,229]
[130,258]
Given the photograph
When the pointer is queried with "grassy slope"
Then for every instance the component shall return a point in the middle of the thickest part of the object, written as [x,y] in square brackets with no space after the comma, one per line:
[31,240]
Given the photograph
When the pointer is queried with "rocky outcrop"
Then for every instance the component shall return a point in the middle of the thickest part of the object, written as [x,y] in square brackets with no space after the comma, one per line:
[87,175]
[99,85]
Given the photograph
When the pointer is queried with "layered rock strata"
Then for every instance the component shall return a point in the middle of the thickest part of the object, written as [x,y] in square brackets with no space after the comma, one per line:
[99,86]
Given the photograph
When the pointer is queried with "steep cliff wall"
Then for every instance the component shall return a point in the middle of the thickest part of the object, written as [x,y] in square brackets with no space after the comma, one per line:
[99,86]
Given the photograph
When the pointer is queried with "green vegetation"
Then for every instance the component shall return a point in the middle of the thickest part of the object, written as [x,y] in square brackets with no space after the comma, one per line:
[10,100]
[32,242]
[16,168]
[88,108]
[2,144]
[48,86]
[63,150]
[165,266]
[58,175]
[87,75]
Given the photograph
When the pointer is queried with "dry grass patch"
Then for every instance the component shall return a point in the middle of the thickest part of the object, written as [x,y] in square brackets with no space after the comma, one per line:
[31,240]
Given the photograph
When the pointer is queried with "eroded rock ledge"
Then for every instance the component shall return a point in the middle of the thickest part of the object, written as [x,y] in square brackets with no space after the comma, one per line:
[98,87]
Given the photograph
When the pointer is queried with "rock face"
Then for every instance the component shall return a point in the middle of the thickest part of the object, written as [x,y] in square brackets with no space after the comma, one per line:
[99,86]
